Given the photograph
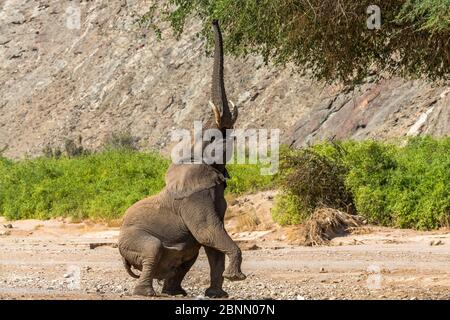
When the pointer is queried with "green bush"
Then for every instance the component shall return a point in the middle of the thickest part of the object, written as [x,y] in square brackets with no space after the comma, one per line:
[288,210]
[246,178]
[5,165]
[309,179]
[390,184]
[100,185]
[370,165]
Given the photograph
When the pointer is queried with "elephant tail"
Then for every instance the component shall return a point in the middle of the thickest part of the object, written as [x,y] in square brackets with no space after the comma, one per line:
[127,266]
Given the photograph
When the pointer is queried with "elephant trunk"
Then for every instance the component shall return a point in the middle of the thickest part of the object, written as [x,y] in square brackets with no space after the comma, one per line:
[219,101]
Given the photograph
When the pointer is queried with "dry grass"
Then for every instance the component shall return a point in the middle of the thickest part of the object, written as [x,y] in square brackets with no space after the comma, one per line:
[248,222]
[115,223]
[323,225]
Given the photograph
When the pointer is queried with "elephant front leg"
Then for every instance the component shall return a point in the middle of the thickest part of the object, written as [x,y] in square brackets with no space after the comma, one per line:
[201,218]
[218,239]
[214,236]
[216,261]
[233,272]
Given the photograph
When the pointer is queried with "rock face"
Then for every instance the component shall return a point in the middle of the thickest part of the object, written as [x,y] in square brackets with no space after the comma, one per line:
[388,109]
[84,68]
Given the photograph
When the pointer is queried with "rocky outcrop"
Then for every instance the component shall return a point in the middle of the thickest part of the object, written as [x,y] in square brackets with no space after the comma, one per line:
[384,110]
[84,68]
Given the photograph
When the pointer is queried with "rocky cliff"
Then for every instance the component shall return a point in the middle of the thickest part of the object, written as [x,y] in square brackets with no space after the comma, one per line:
[84,68]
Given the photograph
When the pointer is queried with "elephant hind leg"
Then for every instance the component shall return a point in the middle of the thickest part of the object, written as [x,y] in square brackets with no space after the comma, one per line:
[127,266]
[150,253]
[172,286]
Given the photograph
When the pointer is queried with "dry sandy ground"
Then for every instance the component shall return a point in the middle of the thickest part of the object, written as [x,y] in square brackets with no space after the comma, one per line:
[61,260]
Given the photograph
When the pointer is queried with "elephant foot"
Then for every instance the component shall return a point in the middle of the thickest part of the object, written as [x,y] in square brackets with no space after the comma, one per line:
[216,293]
[174,291]
[144,290]
[234,276]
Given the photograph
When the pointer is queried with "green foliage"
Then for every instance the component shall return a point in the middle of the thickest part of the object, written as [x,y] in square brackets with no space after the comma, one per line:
[432,15]
[388,183]
[100,185]
[392,185]
[246,178]
[328,38]
[409,188]
[309,179]
[288,210]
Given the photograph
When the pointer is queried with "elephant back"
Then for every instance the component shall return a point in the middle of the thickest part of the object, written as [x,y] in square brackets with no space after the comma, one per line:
[183,180]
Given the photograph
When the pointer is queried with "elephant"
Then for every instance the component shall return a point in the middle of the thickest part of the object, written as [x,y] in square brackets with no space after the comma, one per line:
[162,235]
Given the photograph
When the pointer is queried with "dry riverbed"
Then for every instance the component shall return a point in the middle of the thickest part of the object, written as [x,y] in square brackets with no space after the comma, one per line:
[61,260]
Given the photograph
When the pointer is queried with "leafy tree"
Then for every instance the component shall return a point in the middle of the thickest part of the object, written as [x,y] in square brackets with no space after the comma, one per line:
[327,38]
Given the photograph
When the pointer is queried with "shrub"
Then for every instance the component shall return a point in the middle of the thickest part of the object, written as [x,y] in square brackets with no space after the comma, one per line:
[121,141]
[370,165]
[101,185]
[409,186]
[310,179]
[389,184]
[5,165]
[72,149]
[287,209]
[246,178]
[50,152]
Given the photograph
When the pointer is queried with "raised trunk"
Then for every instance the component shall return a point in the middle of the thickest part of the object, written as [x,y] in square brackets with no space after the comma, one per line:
[218,93]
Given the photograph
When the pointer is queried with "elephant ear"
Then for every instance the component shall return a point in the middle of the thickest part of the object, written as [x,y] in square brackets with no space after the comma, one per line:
[183,180]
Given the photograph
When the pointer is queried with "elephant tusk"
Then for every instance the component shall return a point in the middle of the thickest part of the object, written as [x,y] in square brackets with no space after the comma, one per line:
[216,113]
[235,112]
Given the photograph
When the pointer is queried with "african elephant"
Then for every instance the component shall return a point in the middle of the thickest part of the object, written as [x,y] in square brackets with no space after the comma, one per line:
[162,235]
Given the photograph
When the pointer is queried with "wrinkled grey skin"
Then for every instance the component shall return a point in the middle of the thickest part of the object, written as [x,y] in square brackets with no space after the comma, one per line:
[161,236]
